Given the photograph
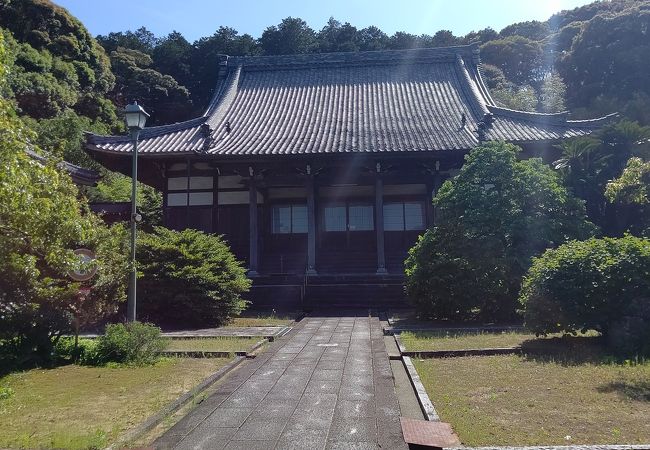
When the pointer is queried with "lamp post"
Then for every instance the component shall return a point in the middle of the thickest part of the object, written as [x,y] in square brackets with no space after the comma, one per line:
[135,118]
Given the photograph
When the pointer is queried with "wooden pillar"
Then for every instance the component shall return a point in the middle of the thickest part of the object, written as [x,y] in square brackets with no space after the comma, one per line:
[435,186]
[187,193]
[428,205]
[379,223]
[215,200]
[311,223]
[252,214]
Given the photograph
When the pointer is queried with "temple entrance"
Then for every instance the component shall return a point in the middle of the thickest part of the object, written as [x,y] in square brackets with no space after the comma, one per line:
[347,237]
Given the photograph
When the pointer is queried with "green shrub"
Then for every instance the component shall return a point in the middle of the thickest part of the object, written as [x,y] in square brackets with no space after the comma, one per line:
[599,284]
[134,343]
[85,353]
[188,279]
[491,220]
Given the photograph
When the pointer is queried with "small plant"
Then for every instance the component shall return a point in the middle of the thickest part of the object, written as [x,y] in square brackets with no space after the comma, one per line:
[6,393]
[84,354]
[134,343]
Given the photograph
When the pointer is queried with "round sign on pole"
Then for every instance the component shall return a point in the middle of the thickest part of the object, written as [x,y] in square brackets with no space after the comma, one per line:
[86,268]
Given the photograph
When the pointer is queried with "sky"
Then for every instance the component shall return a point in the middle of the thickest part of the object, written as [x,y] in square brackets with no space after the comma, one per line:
[198,18]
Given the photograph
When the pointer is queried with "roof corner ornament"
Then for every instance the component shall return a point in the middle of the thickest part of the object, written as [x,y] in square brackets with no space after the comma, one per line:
[206,132]
[223,66]
[463,121]
[483,126]
[476,53]
[488,118]
[481,129]
[228,127]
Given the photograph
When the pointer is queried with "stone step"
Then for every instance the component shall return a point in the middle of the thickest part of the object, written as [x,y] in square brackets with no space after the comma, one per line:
[428,434]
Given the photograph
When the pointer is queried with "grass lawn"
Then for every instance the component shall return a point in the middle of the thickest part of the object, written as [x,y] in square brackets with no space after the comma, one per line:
[537,400]
[460,340]
[262,320]
[76,407]
[224,344]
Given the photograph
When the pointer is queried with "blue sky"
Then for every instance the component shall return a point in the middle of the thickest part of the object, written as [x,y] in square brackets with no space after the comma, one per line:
[197,18]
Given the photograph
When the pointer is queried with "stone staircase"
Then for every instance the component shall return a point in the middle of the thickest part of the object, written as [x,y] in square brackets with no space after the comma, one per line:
[327,292]
[354,291]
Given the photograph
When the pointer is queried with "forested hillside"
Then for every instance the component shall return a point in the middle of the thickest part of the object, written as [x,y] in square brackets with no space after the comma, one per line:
[592,60]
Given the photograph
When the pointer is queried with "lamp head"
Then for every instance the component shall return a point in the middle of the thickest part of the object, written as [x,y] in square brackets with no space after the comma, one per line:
[135,116]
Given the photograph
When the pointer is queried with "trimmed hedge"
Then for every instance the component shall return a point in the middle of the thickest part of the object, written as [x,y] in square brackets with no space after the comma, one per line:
[188,279]
[597,284]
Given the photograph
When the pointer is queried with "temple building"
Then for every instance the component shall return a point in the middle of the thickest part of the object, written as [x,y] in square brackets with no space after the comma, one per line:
[325,164]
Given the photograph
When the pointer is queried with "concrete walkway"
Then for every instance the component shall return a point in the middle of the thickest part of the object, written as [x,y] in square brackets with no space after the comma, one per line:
[327,384]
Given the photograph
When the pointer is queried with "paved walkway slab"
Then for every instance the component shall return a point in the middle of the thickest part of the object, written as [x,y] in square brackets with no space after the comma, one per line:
[270,331]
[326,385]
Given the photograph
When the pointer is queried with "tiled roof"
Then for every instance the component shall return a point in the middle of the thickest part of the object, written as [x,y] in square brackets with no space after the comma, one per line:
[417,100]
[80,175]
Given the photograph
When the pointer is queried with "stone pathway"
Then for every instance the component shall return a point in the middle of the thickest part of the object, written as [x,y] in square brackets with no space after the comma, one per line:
[327,384]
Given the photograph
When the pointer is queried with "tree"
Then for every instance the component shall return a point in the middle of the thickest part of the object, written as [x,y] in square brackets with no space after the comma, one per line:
[633,184]
[520,98]
[493,77]
[63,136]
[492,218]
[589,163]
[521,59]
[559,43]
[159,94]
[444,38]
[42,221]
[337,37]
[630,193]
[402,41]
[172,56]
[56,58]
[588,12]
[481,36]
[291,36]
[204,61]
[552,94]
[141,40]
[117,188]
[533,30]
[372,38]
[609,57]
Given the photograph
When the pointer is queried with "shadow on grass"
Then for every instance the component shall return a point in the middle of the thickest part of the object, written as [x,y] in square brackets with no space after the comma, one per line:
[568,350]
[637,390]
